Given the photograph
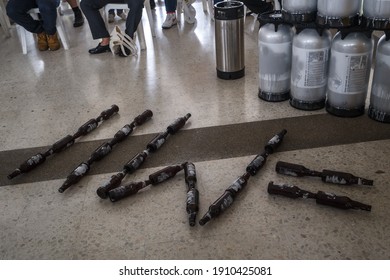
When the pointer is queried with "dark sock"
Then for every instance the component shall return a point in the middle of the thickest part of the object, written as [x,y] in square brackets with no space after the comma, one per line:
[76,11]
[78,17]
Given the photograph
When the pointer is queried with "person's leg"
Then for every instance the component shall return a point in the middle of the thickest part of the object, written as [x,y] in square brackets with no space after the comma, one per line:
[17,11]
[98,28]
[134,16]
[48,11]
[91,11]
[78,16]
[170,6]
[170,20]
[111,15]
[121,14]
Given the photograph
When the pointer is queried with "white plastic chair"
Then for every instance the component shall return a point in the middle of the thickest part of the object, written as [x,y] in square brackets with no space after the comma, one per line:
[59,26]
[183,8]
[140,28]
[62,8]
[205,5]
[125,7]
[4,21]
[276,5]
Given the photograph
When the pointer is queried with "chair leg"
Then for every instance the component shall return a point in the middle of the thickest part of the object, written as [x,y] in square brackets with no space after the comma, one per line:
[179,10]
[150,17]
[22,34]
[61,32]
[211,8]
[204,4]
[141,36]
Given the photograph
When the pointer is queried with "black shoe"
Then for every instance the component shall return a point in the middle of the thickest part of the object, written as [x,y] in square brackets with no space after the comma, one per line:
[78,20]
[100,49]
[127,51]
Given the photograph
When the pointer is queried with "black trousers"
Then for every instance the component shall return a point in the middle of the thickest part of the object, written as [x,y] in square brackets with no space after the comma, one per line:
[96,23]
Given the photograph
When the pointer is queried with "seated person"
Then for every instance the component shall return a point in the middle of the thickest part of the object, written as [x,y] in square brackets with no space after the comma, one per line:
[46,31]
[98,28]
[78,17]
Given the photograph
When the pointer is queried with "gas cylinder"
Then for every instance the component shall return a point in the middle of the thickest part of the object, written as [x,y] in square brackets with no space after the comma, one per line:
[275,46]
[376,14]
[349,72]
[380,92]
[309,69]
[295,11]
[338,13]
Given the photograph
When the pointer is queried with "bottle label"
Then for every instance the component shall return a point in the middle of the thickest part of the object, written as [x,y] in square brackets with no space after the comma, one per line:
[162,177]
[92,126]
[349,73]
[258,161]
[81,169]
[311,67]
[104,150]
[191,196]
[126,130]
[275,61]
[335,180]
[226,202]
[237,185]
[34,160]
[159,142]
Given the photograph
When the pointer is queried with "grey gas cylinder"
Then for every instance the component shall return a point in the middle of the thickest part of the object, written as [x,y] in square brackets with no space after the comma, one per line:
[380,92]
[349,72]
[338,13]
[309,71]
[376,14]
[296,11]
[275,47]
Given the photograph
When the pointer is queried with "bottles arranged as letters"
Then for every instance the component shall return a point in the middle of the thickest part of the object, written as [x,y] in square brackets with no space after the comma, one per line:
[136,162]
[258,162]
[63,143]
[328,176]
[79,172]
[156,178]
[227,198]
[115,192]
[192,202]
[330,199]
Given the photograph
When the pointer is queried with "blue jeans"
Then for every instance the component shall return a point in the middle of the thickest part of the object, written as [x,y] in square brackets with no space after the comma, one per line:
[96,23]
[170,6]
[17,11]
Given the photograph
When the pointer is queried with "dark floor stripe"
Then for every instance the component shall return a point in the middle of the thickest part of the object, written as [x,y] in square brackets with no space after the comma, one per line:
[201,144]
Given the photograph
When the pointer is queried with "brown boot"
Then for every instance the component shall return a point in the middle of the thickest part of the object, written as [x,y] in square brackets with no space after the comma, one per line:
[42,41]
[53,42]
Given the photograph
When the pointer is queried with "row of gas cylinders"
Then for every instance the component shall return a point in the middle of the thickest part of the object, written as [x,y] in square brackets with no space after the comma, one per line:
[338,13]
[313,70]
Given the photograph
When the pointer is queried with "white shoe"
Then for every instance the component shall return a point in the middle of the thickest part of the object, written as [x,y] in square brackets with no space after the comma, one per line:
[111,18]
[123,16]
[170,21]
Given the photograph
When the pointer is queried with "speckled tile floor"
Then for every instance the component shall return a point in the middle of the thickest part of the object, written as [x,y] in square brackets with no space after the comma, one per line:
[47,95]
